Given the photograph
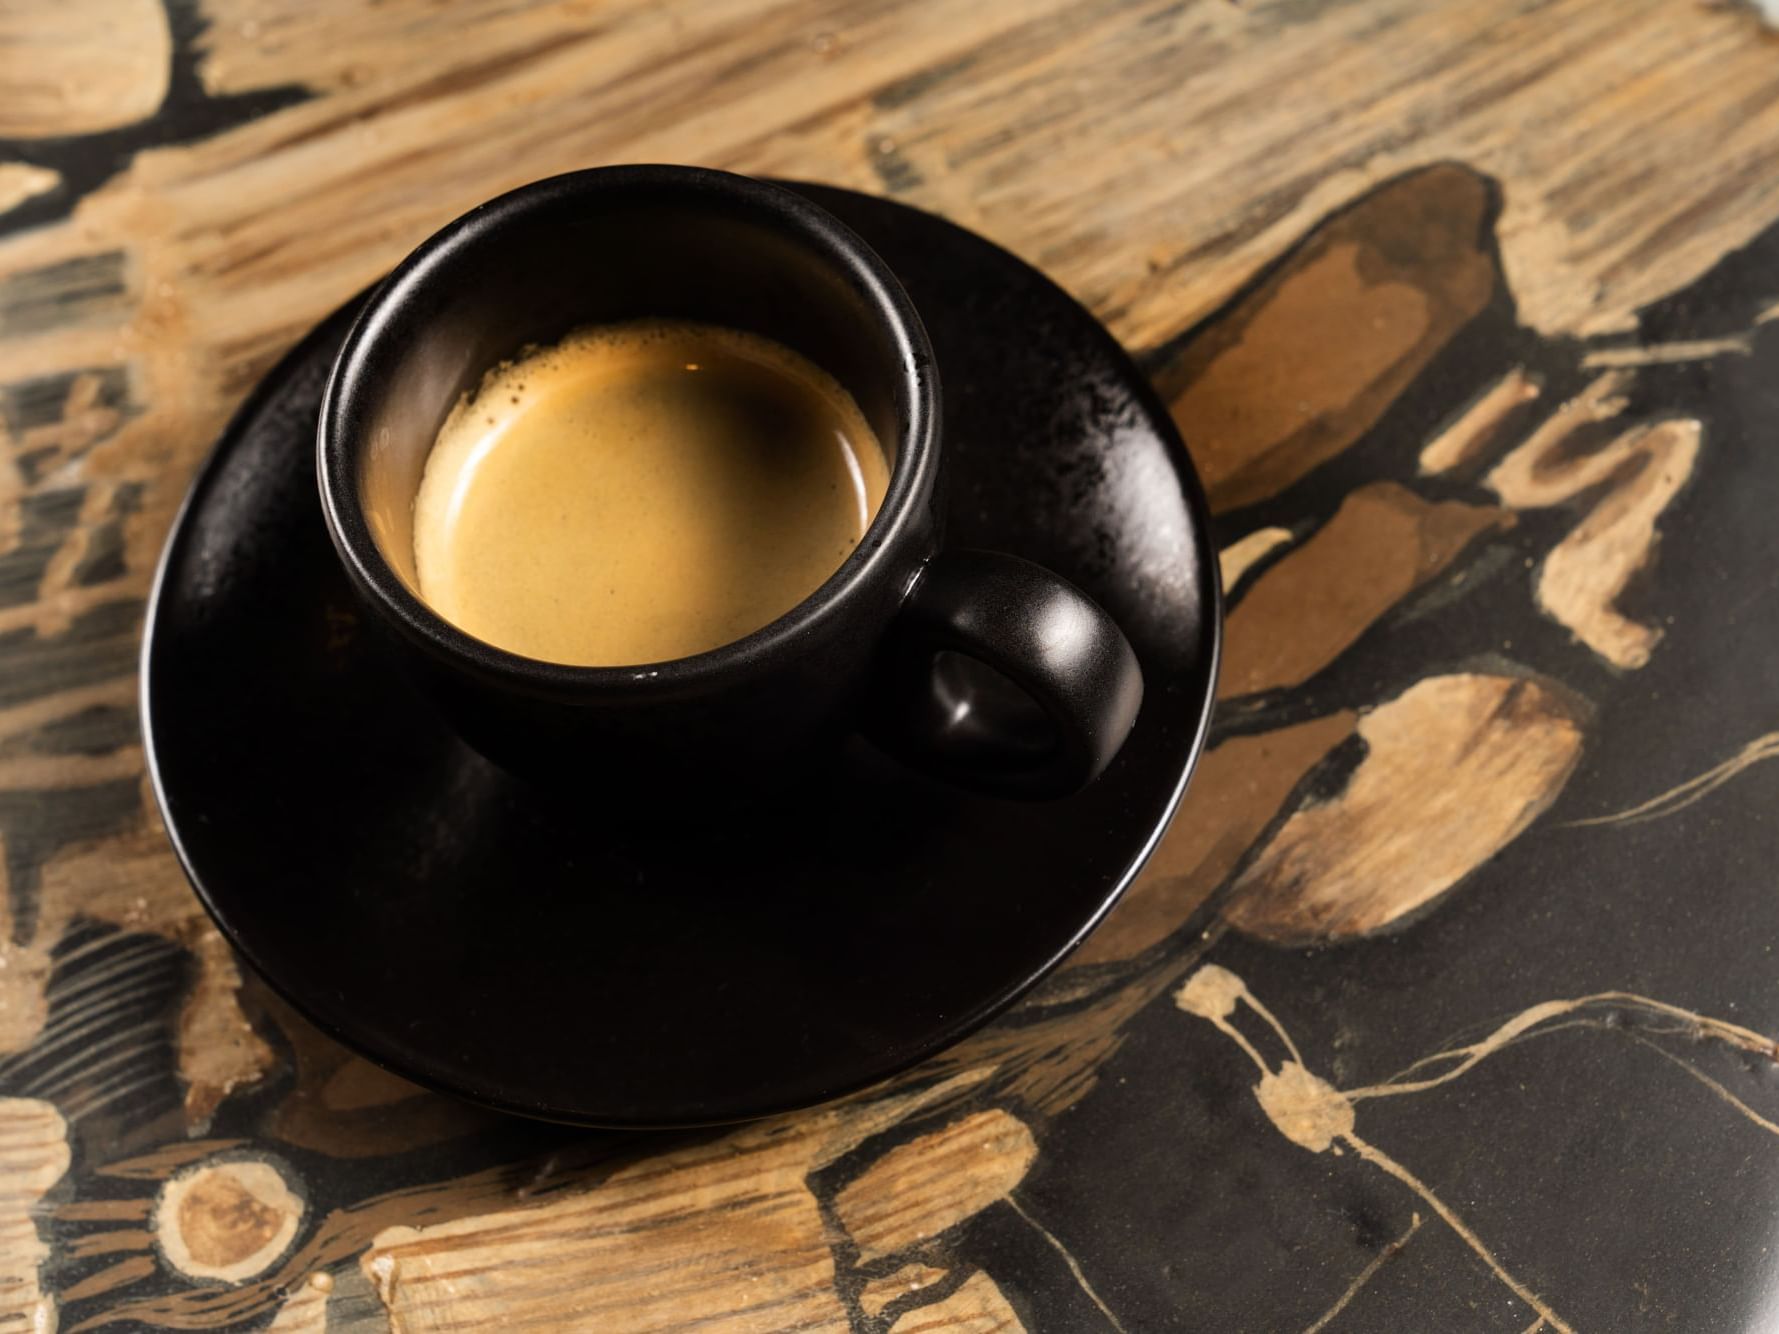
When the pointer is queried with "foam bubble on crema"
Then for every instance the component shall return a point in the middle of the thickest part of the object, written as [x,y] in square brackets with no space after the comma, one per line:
[641,492]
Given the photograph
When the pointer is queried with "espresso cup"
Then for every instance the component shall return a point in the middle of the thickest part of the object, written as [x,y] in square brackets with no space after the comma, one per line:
[976,666]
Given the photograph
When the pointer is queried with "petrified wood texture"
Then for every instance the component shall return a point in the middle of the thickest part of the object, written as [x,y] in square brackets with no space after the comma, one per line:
[1465,312]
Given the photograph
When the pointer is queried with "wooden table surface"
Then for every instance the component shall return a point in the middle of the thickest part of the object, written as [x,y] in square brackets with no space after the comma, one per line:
[1449,1000]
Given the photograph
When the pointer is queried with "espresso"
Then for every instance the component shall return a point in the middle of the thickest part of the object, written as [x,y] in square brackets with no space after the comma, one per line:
[641,492]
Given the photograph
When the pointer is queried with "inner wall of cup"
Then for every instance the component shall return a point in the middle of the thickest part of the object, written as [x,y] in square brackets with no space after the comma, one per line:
[532,276]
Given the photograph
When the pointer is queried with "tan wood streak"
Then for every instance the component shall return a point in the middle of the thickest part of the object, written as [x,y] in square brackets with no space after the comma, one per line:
[80,65]
[924,1187]
[977,1307]
[253,44]
[1480,424]
[1548,467]
[21,720]
[910,1278]
[36,773]
[1242,555]
[59,574]
[108,1279]
[20,181]
[1048,1062]
[1661,354]
[108,1242]
[104,1211]
[1303,611]
[52,615]
[33,1157]
[82,422]
[1455,768]
[1642,469]
[1584,576]
[656,1182]
[1240,787]
[725,1231]
[162,1163]
[1281,383]
[1569,454]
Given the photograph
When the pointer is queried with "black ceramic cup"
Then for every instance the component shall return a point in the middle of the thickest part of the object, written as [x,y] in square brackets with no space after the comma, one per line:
[982,668]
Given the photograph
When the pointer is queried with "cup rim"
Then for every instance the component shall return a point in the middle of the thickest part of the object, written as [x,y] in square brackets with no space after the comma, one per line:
[337,451]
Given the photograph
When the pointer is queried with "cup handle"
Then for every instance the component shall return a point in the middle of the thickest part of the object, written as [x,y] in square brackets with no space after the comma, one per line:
[1079,682]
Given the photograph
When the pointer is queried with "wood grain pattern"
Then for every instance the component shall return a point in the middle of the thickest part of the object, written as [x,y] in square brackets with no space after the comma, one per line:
[729,1233]
[1281,384]
[1479,426]
[1001,114]
[19,181]
[977,1307]
[1639,473]
[1453,769]
[33,1156]
[1386,263]
[1382,544]
[1584,577]
[1240,557]
[1241,786]
[905,1282]
[922,1188]
[83,66]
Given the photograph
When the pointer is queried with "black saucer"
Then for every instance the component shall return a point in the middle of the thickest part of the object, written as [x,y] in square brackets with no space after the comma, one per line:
[516,948]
